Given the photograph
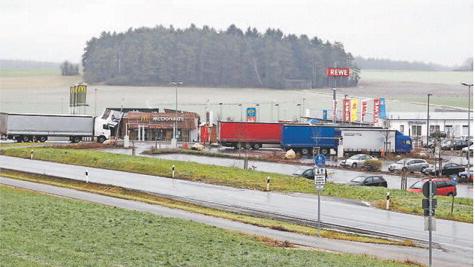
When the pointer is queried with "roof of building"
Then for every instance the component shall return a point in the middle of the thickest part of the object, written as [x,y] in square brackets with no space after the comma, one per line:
[423,115]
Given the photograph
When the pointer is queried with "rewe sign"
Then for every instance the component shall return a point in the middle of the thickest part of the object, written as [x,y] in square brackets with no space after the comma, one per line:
[338,72]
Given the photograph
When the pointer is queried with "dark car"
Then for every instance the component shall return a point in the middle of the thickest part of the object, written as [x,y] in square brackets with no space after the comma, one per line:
[445,186]
[369,181]
[309,174]
[447,169]
[466,176]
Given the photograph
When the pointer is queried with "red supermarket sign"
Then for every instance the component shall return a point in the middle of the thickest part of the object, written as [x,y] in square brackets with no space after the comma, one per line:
[338,72]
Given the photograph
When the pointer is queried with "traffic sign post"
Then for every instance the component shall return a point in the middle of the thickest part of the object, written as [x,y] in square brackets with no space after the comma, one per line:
[319,179]
[429,205]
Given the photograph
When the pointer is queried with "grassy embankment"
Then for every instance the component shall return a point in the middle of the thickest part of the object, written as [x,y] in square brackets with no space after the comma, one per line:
[42,230]
[402,201]
[124,193]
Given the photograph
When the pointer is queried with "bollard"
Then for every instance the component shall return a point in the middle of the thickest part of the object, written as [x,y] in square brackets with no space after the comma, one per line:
[133,150]
[268,183]
[87,176]
[173,171]
[31,154]
[388,200]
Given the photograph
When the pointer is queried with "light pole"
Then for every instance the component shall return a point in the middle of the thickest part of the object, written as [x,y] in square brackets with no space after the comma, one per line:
[334,105]
[300,112]
[303,107]
[278,111]
[240,110]
[174,140]
[95,101]
[468,121]
[258,112]
[427,123]
[220,111]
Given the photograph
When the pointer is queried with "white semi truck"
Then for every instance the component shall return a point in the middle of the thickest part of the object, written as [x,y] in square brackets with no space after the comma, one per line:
[38,127]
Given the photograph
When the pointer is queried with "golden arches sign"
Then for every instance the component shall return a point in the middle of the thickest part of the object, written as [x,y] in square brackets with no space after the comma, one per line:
[77,95]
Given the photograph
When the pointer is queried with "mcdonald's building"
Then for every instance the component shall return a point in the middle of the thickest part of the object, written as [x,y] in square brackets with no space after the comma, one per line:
[151,126]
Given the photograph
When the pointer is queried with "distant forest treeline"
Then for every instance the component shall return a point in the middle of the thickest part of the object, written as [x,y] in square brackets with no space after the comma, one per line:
[207,57]
[388,64]
[13,64]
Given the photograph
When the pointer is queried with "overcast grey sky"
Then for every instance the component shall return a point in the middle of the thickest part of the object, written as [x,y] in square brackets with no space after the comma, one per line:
[439,31]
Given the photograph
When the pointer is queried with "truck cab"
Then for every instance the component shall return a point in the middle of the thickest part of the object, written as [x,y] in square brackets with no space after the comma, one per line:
[106,125]
[403,143]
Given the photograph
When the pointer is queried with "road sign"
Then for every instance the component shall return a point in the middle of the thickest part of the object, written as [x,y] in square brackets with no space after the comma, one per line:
[425,188]
[338,72]
[425,203]
[426,224]
[251,114]
[320,160]
[319,178]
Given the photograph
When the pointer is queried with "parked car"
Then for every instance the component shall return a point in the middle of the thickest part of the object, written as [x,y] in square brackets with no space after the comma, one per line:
[446,144]
[466,176]
[369,181]
[455,144]
[445,186]
[468,149]
[411,165]
[460,144]
[357,160]
[308,173]
[447,169]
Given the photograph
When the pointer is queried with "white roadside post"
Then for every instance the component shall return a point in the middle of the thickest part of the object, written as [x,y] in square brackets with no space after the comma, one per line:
[87,176]
[268,184]
[388,200]
[31,154]
[173,171]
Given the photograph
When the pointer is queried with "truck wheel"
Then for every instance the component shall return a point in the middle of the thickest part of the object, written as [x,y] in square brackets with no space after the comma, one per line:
[42,139]
[256,146]
[248,146]
[76,139]
[238,146]
[25,138]
[101,139]
[324,151]
[305,151]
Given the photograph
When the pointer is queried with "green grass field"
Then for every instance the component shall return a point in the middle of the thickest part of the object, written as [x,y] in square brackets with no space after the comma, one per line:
[28,72]
[402,201]
[42,230]
[441,77]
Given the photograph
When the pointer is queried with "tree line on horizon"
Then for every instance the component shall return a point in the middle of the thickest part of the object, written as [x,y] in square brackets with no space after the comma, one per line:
[207,57]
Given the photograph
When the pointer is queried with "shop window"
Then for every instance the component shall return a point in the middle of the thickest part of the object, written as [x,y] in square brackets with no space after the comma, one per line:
[416,130]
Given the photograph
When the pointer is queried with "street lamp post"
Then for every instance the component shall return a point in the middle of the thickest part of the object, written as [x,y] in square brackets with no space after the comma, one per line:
[300,112]
[427,130]
[469,86]
[220,111]
[258,112]
[278,111]
[240,110]
[174,140]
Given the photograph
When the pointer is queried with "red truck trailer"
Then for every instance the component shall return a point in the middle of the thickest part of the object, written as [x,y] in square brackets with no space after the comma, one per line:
[249,134]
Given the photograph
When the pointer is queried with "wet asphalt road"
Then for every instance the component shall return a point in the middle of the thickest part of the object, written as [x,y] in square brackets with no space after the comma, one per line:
[455,237]
[335,175]
[380,251]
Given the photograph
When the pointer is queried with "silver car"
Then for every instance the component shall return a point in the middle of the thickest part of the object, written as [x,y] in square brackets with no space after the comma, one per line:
[411,165]
[357,160]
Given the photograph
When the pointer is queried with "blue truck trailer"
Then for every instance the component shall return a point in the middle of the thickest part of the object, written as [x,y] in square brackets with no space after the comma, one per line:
[303,138]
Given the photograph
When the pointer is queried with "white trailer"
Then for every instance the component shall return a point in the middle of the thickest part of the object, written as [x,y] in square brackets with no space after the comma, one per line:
[368,140]
[38,127]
